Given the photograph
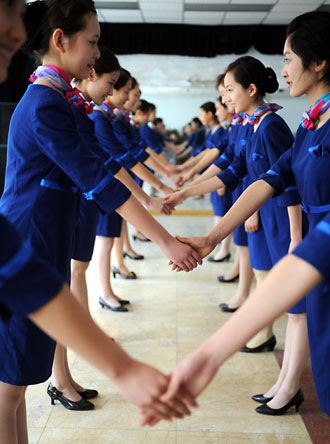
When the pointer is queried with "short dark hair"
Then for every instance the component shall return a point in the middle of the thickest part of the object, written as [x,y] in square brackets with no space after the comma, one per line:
[124,77]
[42,17]
[144,106]
[249,70]
[107,62]
[209,107]
[220,79]
[309,38]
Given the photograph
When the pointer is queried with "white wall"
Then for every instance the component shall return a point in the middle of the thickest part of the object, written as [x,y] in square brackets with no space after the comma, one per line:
[178,85]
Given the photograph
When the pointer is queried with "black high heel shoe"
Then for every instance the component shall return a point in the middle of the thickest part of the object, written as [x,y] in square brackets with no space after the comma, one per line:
[56,395]
[103,304]
[261,398]
[228,281]
[268,345]
[295,401]
[223,259]
[130,275]
[226,309]
[88,394]
[142,239]
[137,257]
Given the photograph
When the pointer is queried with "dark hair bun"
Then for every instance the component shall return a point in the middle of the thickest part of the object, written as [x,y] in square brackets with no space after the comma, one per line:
[33,19]
[271,83]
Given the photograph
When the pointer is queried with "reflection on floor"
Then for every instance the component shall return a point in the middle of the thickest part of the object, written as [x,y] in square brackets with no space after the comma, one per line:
[170,314]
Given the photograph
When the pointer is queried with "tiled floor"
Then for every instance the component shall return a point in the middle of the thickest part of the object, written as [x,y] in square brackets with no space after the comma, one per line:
[171,313]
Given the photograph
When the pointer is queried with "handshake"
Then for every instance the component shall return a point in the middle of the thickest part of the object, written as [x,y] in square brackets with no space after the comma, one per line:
[162,397]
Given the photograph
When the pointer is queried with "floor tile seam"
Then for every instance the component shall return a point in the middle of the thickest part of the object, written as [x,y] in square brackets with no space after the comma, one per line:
[242,433]
[135,429]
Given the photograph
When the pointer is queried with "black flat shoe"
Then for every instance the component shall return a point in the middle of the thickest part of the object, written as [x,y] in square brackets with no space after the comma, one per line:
[88,394]
[226,309]
[268,345]
[56,395]
[137,257]
[223,259]
[142,239]
[110,307]
[294,402]
[222,279]
[130,275]
[261,398]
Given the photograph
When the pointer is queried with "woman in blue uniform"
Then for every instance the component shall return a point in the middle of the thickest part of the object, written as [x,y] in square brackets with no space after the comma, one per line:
[238,136]
[247,81]
[106,70]
[29,288]
[305,165]
[49,163]
[207,115]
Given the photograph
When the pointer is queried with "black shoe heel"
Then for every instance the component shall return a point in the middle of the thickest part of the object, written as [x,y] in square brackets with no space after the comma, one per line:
[121,308]
[223,259]
[130,275]
[269,345]
[294,402]
[56,395]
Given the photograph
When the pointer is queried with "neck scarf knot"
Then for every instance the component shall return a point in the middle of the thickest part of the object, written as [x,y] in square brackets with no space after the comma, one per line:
[58,78]
[261,110]
[237,118]
[310,118]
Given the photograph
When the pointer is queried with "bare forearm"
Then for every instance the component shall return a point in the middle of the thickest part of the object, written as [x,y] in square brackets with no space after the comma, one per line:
[192,161]
[65,320]
[147,176]
[247,204]
[202,188]
[212,171]
[154,164]
[137,191]
[210,156]
[295,218]
[287,283]
[139,217]
[159,158]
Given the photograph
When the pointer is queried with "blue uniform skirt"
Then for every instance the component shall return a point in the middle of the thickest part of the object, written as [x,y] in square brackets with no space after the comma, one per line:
[221,204]
[26,352]
[109,225]
[274,239]
[86,231]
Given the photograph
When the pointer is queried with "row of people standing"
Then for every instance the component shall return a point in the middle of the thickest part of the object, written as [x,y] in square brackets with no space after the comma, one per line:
[54,160]
[294,173]
[56,182]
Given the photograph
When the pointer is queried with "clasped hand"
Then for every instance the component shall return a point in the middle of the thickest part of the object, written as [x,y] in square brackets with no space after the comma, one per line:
[190,377]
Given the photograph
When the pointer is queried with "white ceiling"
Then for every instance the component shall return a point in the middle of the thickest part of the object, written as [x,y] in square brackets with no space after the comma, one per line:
[205,12]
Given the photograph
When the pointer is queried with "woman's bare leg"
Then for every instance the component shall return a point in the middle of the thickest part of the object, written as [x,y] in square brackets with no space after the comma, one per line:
[127,247]
[267,332]
[102,257]
[61,376]
[12,421]
[22,432]
[78,284]
[296,361]
[245,278]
